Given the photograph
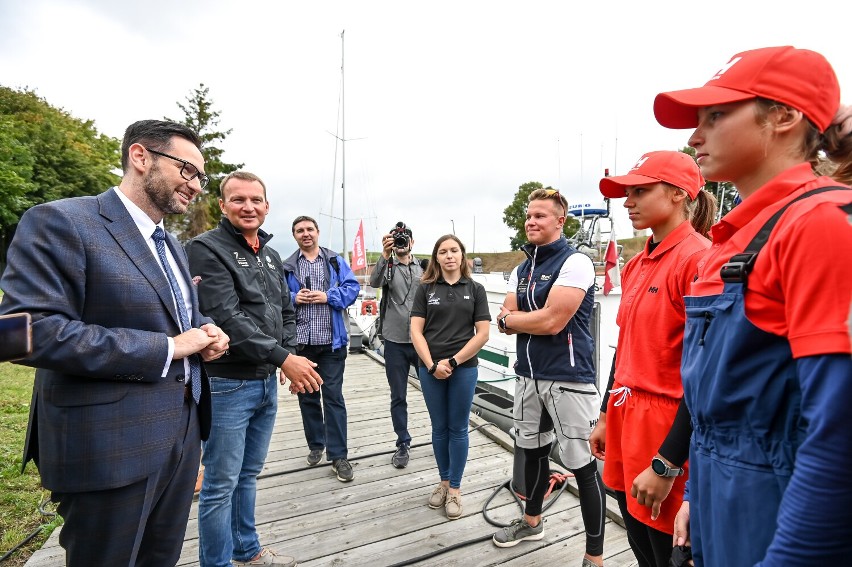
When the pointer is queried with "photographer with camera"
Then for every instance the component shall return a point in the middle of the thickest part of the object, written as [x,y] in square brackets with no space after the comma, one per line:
[398,274]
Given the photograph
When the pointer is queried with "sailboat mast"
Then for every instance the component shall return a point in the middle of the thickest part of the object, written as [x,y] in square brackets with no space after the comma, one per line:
[343,139]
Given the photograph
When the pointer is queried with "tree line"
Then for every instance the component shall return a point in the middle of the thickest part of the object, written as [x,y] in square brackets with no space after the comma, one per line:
[47,154]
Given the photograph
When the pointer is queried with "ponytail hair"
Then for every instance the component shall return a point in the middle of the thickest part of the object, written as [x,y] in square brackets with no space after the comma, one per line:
[702,212]
[838,155]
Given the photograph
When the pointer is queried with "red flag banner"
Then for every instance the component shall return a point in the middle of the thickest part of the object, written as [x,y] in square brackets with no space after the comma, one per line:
[359,253]
[612,272]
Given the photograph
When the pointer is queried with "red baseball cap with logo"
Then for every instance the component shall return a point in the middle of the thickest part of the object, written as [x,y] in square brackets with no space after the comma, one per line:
[798,78]
[674,168]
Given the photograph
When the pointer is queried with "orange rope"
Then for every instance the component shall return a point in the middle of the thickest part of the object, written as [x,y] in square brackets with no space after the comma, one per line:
[556,480]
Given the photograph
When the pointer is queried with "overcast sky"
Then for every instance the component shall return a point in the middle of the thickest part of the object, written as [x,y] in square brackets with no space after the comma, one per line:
[450,106]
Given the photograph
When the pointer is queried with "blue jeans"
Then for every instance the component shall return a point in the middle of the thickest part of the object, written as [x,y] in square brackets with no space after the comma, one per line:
[324,412]
[243,418]
[398,359]
[449,402]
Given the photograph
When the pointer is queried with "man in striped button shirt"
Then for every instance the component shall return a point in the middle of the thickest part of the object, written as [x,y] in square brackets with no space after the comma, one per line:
[322,287]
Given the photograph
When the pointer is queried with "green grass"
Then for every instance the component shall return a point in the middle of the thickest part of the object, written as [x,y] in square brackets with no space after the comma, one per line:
[22,493]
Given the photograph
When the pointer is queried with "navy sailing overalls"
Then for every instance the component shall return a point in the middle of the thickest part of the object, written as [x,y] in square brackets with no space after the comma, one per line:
[742,390]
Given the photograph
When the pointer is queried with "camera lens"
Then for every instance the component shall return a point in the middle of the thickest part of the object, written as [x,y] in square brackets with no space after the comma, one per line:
[400,240]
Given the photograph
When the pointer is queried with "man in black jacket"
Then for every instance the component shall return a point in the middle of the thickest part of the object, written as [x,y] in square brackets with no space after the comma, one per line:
[240,286]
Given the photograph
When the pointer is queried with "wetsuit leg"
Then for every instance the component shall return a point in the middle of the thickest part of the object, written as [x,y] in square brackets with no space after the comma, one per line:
[651,547]
[536,476]
[592,506]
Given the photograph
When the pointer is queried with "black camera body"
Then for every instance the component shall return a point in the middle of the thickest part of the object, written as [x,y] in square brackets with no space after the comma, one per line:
[401,235]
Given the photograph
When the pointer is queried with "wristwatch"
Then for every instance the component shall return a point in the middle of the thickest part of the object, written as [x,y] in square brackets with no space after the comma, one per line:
[453,362]
[501,322]
[434,368]
[660,467]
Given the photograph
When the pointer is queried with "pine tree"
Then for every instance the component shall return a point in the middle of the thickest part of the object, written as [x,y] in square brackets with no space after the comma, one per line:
[203,213]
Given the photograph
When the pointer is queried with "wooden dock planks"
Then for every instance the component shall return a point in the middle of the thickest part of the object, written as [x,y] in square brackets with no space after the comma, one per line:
[381,518]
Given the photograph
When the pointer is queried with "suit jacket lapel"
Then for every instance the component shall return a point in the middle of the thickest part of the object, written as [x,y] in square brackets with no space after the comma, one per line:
[127,235]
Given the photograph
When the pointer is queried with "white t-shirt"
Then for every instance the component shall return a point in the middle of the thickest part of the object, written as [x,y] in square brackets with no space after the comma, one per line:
[577,271]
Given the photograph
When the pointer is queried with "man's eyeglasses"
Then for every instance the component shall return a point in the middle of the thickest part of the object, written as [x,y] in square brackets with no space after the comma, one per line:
[187,171]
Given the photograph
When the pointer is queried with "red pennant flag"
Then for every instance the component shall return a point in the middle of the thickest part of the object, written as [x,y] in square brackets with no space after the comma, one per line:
[359,253]
[612,272]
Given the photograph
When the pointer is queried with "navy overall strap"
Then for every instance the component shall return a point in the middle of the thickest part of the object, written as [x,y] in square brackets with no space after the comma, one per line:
[737,269]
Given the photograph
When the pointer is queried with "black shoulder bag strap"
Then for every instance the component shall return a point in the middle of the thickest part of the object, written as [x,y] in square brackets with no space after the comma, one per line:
[737,269]
[334,264]
[332,261]
[383,302]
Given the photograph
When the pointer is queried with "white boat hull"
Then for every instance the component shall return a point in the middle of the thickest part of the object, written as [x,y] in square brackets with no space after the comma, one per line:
[497,358]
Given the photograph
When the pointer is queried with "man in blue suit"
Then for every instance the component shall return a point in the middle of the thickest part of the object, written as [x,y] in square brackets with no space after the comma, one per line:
[121,401]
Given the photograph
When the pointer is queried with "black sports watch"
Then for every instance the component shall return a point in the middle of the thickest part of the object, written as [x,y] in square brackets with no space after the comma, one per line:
[501,322]
[433,368]
[453,362]
[660,467]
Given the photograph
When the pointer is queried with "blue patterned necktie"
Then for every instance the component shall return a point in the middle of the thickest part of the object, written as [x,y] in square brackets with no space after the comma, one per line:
[159,237]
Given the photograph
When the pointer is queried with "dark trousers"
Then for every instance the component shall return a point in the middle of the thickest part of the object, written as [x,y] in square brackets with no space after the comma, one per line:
[141,524]
[651,547]
[324,412]
[399,357]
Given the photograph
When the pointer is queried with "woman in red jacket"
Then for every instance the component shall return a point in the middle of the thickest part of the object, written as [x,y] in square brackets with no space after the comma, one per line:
[663,193]
[766,371]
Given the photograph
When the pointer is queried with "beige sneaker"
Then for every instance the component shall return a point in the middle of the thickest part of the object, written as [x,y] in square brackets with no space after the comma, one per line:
[269,557]
[439,496]
[453,506]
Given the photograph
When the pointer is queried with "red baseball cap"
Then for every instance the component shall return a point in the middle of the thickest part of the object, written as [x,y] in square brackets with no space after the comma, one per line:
[798,78]
[674,168]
